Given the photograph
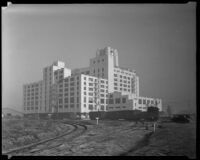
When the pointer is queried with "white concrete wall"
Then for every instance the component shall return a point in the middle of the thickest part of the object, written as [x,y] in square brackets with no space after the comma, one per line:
[83,90]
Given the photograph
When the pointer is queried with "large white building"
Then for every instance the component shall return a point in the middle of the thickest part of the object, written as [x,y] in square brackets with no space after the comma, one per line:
[103,86]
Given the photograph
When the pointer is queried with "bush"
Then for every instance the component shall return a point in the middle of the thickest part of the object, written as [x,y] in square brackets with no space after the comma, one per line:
[180,119]
[135,115]
[100,114]
[152,114]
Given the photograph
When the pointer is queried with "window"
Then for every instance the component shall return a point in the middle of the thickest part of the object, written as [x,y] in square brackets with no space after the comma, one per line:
[90,89]
[77,100]
[84,93]
[84,88]
[102,100]
[102,86]
[102,60]
[115,84]
[72,106]
[102,107]
[102,95]
[117,100]
[90,84]
[66,89]
[84,99]
[72,84]
[66,100]
[85,105]
[66,84]
[101,90]
[123,100]
[140,101]
[90,79]
[72,89]
[66,80]
[90,94]
[60,101]
[115,75]
[77,105]
[72,100]
[90,100]
[72,79]
[115,79]
[144,101]
[102,81]
[90,107]
[115,88]
[60,106]
[60,77]
[93,62]
[66,106]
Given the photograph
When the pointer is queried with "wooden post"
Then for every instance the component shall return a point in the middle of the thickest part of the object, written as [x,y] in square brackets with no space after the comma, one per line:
[97,118]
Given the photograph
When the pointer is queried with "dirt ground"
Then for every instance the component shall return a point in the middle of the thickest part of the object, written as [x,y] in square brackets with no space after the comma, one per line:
[16,133]
[173,139]
[121,138]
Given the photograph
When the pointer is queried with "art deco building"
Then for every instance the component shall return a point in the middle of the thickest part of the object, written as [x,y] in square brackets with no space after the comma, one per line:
[103,86]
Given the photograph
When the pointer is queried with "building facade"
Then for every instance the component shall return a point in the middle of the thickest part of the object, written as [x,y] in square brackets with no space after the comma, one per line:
[122,101]
[103,86]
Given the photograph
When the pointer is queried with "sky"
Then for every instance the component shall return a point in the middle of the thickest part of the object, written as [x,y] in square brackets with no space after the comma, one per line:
[156,40]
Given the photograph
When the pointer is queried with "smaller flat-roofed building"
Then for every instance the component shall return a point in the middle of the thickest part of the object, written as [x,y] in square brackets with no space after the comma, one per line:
[123,101]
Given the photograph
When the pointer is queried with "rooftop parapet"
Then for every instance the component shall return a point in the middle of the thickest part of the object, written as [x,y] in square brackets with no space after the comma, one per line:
[105,51]
[59,63]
